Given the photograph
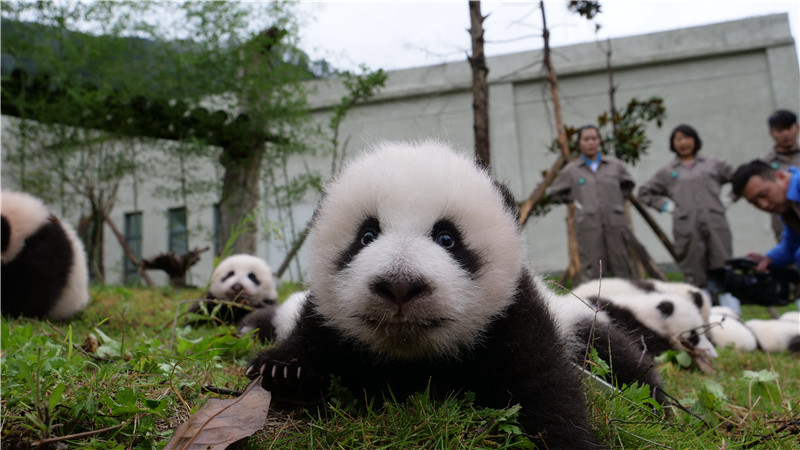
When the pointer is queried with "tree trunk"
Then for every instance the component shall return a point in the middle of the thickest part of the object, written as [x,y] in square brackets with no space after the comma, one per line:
[552,79]
[240,195]
[480,89]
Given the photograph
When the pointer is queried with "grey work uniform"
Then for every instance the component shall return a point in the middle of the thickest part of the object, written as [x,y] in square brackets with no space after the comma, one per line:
[601,226]
[699,227]
[781,161]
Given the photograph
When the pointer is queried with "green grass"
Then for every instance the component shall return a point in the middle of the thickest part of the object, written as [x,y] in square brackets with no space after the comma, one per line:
[145,377]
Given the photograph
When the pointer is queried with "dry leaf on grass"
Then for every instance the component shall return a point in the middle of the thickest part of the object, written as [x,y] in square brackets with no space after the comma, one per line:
[220,423]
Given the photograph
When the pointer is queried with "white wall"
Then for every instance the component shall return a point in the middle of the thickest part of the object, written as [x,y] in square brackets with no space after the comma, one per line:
[723,79]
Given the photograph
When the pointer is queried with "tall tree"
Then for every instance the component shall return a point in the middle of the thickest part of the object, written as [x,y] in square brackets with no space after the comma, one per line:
[220,74]
[480,88]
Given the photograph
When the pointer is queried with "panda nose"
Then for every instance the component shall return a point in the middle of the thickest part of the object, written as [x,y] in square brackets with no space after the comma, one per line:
[399,292]
[237,287]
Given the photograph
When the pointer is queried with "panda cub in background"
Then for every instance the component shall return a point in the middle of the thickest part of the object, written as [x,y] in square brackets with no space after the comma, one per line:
[726,329]
[776,335]
[654,318]
[44,271]
[418,281]
[608,287]
[245,280]
[581,323]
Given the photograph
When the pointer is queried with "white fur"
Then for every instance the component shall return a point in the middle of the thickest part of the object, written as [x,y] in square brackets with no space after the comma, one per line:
[408,188]
[287,315]
[242,266]
[684,318]
[726,311]
[791,316]
[774,335]
[613,286]
[75,295]
[726,329]
[25,215]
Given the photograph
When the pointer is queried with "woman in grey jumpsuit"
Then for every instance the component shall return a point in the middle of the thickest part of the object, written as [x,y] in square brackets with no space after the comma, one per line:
[689,188]
[598,186]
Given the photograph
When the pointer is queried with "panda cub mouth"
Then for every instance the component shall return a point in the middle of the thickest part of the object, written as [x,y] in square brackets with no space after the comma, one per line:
[400,321]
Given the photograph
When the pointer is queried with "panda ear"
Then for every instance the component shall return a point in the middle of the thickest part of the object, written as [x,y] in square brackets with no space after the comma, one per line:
[508,199]
[698,299]
[666,307]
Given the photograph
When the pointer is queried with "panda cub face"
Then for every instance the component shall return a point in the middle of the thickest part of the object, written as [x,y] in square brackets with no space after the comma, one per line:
[413,250]
[243,277]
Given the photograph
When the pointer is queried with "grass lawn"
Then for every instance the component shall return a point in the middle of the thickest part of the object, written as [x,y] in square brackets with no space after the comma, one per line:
[143,376]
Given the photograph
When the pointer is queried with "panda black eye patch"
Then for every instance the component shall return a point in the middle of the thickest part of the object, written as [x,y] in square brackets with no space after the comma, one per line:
[227,275]
[369,230]
[447,235]
[254,278]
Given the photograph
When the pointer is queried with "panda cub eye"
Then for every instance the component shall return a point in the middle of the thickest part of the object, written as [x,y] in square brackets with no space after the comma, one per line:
[445,240]
[368,236]
[227,275]
[369,231]
[253,278]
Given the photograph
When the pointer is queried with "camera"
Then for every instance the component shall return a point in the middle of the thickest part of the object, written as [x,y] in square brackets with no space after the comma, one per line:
[739,277]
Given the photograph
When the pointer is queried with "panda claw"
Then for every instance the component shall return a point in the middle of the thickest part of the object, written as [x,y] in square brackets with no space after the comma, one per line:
[298,371]
[249,371]
[285,372]
[274,371]
[262,370]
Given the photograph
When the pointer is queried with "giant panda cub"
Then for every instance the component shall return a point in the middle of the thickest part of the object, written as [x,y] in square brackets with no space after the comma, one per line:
[726,329]
[614,286]
[44,271]
[655,317]
[775,335]
[245,280]
[581,323]
[418,281]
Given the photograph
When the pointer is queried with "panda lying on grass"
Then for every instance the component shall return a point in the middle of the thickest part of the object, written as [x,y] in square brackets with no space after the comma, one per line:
[417,281]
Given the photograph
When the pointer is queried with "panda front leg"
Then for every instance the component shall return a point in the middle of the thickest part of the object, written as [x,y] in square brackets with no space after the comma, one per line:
[297,370]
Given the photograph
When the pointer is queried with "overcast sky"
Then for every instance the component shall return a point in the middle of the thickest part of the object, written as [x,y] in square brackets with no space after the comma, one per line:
[395,35]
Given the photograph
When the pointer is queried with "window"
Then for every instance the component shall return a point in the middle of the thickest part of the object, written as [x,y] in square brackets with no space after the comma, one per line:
[133,237]
[178,238]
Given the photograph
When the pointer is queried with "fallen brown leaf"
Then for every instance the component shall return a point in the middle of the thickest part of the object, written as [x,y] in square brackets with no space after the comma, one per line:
[220,423]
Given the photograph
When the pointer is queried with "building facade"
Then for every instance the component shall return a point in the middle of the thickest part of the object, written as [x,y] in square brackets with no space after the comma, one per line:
[723,79]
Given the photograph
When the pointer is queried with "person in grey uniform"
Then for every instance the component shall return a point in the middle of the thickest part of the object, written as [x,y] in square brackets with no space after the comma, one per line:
[689,188]
[597,185]
[783,129]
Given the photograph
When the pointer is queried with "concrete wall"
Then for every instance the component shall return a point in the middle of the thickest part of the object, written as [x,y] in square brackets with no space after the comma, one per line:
[723,79]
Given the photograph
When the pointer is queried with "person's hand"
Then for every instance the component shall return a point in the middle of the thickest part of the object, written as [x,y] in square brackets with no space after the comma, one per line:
[761,260]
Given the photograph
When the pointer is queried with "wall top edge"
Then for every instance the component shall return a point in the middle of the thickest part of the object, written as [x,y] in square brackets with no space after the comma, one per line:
[745,35]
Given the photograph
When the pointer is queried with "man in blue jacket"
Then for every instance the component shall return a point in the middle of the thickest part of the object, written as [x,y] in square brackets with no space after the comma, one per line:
[776,192]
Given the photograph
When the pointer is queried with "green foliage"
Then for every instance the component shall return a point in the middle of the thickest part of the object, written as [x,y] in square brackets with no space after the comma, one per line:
[140,383]
[627,137]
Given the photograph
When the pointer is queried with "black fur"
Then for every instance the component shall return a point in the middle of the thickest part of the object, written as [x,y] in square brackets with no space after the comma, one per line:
[645,338]
[33,281]
[623,354]
[666,308]
[466,258]
[643,285]
[262,320]
[697,298]
[6,233]
[520,359]
[794,345]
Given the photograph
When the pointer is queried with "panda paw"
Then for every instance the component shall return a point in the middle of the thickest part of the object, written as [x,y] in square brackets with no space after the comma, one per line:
[278,374]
